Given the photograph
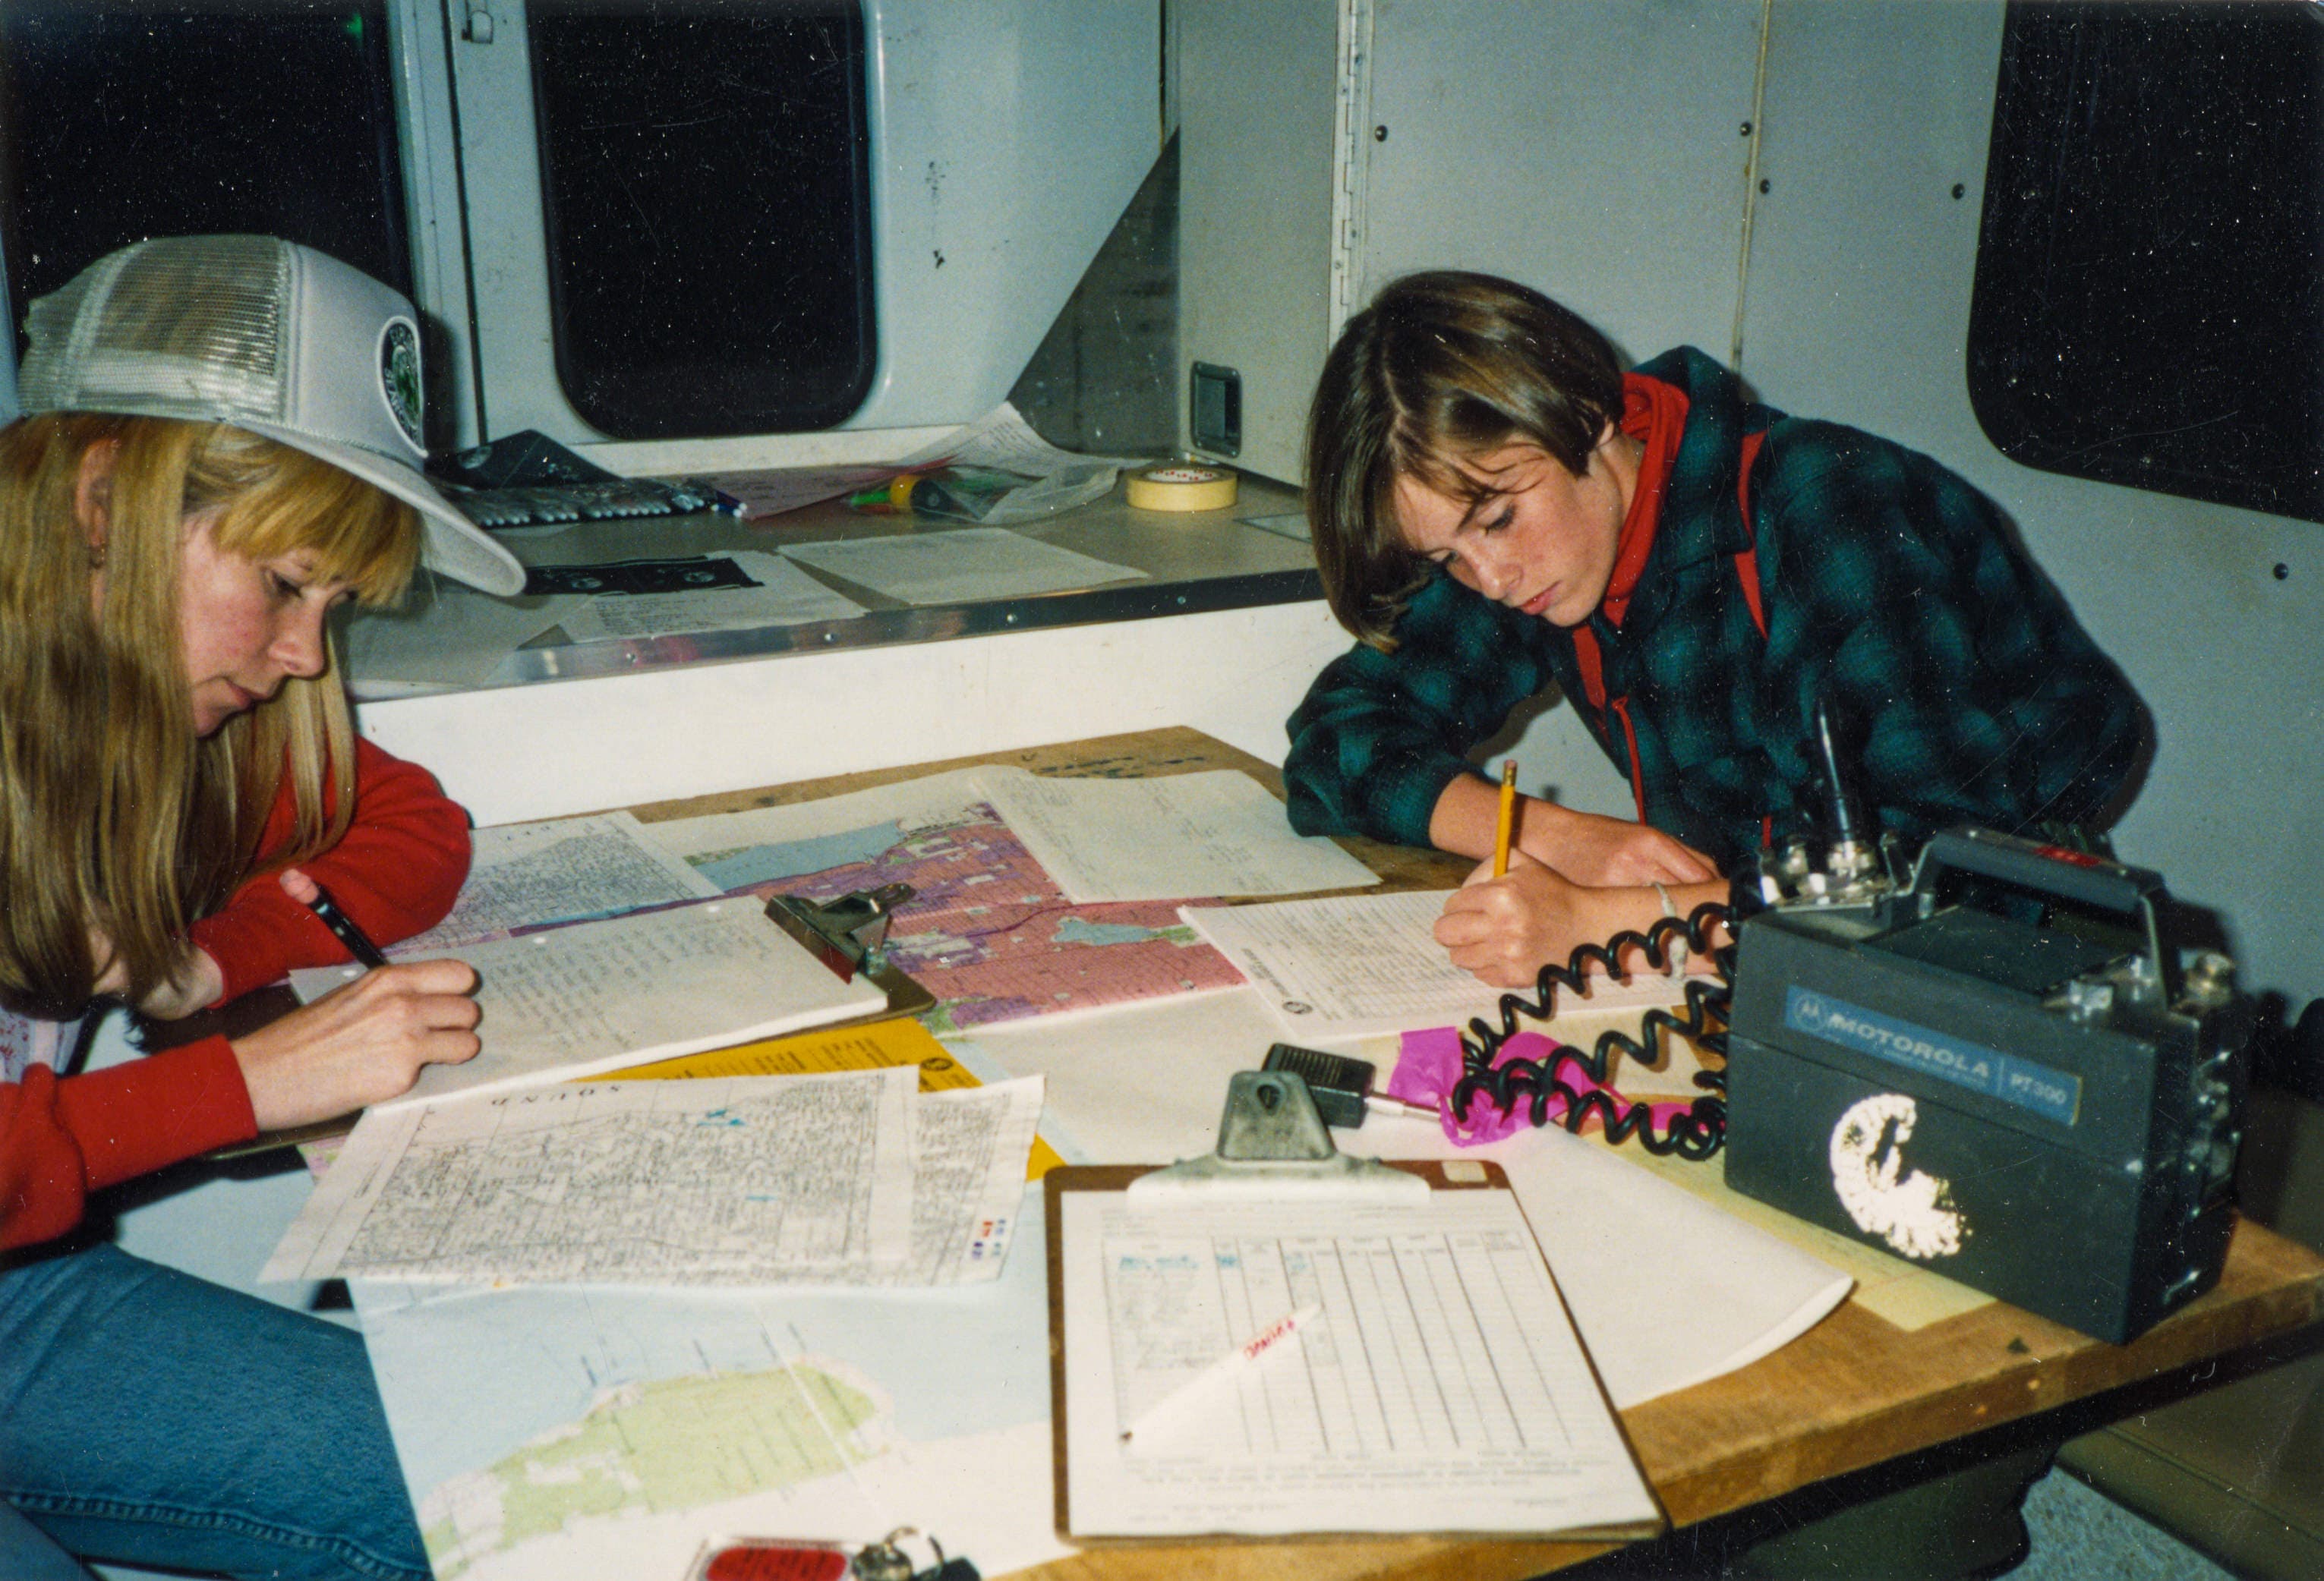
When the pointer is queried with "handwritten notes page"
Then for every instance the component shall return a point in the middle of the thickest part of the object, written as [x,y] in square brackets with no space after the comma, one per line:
[1437,1387]
[527,875]
[599,995]
[1348,966]
[853,1178]
[1185,834]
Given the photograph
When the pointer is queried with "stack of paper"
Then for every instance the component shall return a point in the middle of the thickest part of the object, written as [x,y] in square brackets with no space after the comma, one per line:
[853,1178]
[595,997]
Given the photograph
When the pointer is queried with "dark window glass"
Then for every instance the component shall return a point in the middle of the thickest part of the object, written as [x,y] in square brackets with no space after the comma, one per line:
[705,169]
[2149,306]
[124,121]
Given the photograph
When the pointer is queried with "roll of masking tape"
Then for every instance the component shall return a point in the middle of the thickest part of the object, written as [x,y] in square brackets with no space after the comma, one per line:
[1180,485]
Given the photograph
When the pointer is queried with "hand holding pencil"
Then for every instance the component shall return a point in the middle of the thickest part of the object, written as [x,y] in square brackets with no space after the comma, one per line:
[1507,824]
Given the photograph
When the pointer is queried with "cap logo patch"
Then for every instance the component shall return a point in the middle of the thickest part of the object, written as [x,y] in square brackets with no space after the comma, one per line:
[399,377]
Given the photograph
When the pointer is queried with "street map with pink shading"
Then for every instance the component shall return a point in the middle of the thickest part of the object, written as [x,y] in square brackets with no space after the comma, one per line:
[987,930]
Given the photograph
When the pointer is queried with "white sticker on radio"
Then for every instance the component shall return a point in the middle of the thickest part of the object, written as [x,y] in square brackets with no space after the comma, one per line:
[1915,1214]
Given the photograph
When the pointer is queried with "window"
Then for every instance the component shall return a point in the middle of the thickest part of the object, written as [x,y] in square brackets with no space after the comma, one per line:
[2149,306]
[706,181]
[126,121]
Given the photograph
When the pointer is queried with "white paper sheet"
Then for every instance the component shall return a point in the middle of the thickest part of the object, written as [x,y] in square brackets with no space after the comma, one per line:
[1288,524]
[565,1433]
[742,1180]
[443,635]
[1437,1385]
[785,596]
[1345,966]
[601,996]
[1185,835]
[560,870]
[1666,1290]
[958,564]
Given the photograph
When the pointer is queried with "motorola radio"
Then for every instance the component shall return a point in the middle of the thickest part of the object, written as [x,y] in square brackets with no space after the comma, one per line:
[1995,1067]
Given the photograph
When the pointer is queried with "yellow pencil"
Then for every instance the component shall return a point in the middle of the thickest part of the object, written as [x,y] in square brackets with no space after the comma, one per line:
[1509,817]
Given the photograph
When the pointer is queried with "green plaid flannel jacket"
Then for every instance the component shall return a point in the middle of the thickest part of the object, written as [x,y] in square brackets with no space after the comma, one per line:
[1887,580]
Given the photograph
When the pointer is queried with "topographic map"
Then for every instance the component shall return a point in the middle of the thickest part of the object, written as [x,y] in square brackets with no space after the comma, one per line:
[566,1432]
[987,930]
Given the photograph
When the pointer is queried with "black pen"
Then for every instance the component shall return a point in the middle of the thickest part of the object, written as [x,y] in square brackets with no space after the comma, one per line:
[343,927]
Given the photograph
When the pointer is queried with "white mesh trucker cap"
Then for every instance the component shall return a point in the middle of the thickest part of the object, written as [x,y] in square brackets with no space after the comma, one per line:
[266,334]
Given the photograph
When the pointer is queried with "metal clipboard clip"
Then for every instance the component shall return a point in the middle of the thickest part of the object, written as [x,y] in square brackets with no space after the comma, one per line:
[1272,1145]
[849,935]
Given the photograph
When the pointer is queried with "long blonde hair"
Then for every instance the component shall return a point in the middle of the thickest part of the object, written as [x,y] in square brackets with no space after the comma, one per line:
[114,815]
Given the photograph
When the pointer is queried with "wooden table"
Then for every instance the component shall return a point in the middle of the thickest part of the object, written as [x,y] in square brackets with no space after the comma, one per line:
[1853,1392]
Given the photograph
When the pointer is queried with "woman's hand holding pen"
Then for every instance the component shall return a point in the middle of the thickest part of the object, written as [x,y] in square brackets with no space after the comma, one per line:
[360,1044]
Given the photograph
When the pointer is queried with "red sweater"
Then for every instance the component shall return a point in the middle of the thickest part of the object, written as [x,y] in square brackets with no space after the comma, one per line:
[396,872]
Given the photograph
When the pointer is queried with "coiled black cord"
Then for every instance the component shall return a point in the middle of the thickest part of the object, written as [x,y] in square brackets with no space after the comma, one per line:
[1695,1134]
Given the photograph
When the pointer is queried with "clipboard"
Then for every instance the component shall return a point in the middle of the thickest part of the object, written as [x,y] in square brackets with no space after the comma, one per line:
[1416,1370]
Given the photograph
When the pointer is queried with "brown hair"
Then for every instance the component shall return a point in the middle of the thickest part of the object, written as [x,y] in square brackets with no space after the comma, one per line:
[114,816]
[1441,367]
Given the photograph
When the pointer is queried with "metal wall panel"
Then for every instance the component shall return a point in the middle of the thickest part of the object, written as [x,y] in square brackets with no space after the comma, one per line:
[1593,149]
[1257,89]
[1858,310]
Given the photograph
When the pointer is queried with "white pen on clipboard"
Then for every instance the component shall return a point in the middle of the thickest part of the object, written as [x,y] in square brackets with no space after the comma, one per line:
[1205,1385]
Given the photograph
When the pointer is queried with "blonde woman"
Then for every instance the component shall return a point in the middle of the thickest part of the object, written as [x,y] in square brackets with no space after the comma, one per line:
[220,445]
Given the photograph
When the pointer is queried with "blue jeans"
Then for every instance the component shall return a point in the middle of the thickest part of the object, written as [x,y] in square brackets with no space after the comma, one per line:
[148,1418]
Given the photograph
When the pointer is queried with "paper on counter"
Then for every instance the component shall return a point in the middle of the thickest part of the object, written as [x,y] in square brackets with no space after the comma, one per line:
[442,635]
[1289,524]
[1217,832]
[1001,438]
[559,871]
[785,596]
[765,491]
[958,564]
[1348,966]
[601,996]
[743,1181]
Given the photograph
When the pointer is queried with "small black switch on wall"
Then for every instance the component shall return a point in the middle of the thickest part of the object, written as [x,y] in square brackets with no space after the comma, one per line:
[1217,401]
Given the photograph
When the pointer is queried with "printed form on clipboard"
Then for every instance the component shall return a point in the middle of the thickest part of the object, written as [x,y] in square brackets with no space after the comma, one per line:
[1362,1356]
